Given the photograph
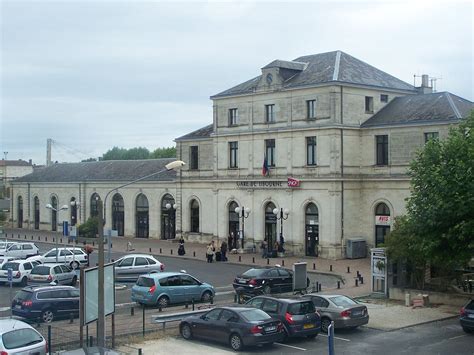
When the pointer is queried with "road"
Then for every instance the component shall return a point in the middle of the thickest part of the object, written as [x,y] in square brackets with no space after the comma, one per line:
[220,275]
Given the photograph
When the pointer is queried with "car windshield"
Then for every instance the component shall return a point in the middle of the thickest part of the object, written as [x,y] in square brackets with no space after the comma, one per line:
[253,315]
[145,282]
[40,270]
[343,301]
[301,308]
[13,266]
[470,305]
[254,272]
[20,338]
[23,295]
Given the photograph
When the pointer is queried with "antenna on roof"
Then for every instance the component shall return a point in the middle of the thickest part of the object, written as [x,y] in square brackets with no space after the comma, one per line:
[433,82]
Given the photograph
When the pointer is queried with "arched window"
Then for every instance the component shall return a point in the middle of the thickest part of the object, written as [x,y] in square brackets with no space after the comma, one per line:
[94,204]
[37,212]
[168,217]
[20,212]
[311,229]
[382,223]
[194,216]
[271,228]
[142,219]
[118,216]
[54,214]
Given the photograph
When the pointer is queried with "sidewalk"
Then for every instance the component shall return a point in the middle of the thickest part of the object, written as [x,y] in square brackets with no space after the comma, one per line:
[197,251]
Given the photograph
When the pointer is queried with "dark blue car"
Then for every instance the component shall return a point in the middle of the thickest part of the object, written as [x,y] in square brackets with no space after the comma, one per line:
[46,303]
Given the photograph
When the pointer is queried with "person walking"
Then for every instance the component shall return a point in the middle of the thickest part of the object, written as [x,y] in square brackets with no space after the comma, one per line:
[223,251]
[210,252]
[264,248]
[181,250]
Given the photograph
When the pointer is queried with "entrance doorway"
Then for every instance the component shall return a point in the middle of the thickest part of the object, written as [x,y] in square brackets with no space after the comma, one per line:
[271,229]
[54,214]
[142,222]
[311,230]
[382,223]
[233,225]
[37,212]
[118,216]
[20,212]
[168,217]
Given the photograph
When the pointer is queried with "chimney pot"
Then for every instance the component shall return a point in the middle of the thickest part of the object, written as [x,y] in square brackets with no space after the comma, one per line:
[424,81]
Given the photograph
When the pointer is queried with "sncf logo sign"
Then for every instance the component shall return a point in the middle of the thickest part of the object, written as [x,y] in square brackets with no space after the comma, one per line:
[292,182]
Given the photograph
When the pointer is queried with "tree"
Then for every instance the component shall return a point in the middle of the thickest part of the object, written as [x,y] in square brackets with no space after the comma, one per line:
[163,153]
[439,226]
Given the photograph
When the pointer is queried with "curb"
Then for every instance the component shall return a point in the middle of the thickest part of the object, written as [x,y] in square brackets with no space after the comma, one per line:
[414,325]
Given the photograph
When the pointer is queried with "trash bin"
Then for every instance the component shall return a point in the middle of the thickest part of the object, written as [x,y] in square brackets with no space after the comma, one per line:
[407,300]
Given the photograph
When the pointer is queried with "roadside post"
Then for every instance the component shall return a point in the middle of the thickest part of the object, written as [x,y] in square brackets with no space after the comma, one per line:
[10,280]
[331,338]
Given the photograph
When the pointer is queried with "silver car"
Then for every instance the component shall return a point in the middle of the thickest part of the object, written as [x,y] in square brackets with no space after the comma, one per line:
[343,310]
[58,274]
[129,267]
[17,337]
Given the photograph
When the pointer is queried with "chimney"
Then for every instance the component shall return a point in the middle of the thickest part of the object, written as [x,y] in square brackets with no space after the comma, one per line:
[425,87]
[30,161]
[424,81]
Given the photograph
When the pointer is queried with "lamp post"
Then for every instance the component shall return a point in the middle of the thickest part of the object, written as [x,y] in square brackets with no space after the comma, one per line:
[50,207]
[172,209]
[174,165]
[282,215]
[243,213]
[75,204]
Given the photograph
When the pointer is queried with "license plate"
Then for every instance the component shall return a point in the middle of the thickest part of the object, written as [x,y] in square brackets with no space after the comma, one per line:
[18,306]
[242,281]
[358,313]
[270,329]
[308,326]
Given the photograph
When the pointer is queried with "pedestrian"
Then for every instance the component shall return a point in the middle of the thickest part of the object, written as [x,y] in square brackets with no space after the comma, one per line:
[210,252]
[264,248]
[181,250]
[223,251]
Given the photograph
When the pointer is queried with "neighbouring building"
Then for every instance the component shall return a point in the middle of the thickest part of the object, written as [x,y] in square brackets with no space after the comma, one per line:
[326,138]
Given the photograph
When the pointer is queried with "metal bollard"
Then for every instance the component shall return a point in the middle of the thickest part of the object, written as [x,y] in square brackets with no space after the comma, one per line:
[149,250]
[111,245]
[357,282]
[132,311]
[186,305]
[45,239]
[192,302]
[93,243]
[314,266]
[235,298]
[61,240]
[143,321]
[194,254]
[171,251]
[268,261]
[283,263]
[317,286]
[160,251]
[71,318]
[53,240]
[160,309]
[212,300]
[319,289]
[49,340]
[140,351]
[348,269]
[39,238]
[253,259]
[240,258]
[339,284]
[330,267]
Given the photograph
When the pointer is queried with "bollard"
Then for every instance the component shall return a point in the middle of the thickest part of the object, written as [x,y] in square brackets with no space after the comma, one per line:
[212,299]
[160,251]
[357,282]
[91,340]
[160,309]
[268,261]
[31,237]
[319,288]
[143,321]
[149,250]
[113,260]
[132,311]
[111,245]
[330,267]
[61,240]
[49,339]
[71,318]
[186,305]
[83,242]
[339,284]
[348,269]
[39,238]
[45,239]
[253,259]
[140,351]
[93,243]
[53,240]
[240,258]
[194,254]
[235,298]
[314,266]
[192,302]
[171,251]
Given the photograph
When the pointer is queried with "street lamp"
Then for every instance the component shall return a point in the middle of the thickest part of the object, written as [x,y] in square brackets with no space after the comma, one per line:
[172,209]
[174,165]
[283,213]
[243,213]
[75,204]
[50,207]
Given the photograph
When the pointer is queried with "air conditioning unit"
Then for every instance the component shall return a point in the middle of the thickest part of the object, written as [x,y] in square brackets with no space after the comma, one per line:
[356,248]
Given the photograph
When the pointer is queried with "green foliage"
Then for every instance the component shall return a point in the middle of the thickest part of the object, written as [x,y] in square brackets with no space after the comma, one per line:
[163,153]
[439,226]
[88,160]
[90,228]
[117,153]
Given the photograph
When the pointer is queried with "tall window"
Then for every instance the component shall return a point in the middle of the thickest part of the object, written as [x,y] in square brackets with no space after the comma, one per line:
[94,205]
[194,216]
[232,117]
[54,214]
[431,135]
[311,150]
[310,109]
[382,223]
[270,151]
[194,158]
[269,113]
[233,150]
[382,149]
[369,104]
[20,212]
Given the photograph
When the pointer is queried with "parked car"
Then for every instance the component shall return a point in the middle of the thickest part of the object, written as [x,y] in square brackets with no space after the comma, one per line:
[170,287]
[58,274]
[75,257]
[299,316]
[267,280]
[466,317]
[20,269]
[4,245]
[129,267]
[5,259]
[236,326]
[46,303]
[343,310]
[21,250]
[17,337]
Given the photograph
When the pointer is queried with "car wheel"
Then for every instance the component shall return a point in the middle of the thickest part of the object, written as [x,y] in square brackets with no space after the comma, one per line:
[47,316]
[267,290]
[163,301]
[74,281]
[236,342]
[186,331]
[325,323]
[23,282]
[74,265]
[206,296]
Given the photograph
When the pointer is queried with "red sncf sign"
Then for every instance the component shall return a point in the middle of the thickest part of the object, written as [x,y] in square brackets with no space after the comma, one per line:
[292,182]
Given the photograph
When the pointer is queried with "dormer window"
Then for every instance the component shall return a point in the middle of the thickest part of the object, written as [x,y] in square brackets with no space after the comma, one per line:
[232,117]
[269,113]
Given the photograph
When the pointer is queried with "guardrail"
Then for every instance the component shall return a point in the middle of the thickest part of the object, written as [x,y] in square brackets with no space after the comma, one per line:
[176,317]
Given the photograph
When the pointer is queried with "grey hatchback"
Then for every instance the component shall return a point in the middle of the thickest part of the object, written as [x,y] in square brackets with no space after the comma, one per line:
[343,310]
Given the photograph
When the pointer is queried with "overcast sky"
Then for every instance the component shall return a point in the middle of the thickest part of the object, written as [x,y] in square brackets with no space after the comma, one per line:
[92,75]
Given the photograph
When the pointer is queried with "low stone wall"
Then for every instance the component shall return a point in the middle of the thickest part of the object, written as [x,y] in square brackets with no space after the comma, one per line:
[454,299]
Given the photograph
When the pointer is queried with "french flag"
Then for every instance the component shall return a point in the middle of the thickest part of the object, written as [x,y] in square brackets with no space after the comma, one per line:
[265,170]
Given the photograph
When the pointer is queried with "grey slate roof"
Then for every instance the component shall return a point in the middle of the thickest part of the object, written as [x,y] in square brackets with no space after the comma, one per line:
[14,163]
[204,132]
[423,108]
[109,170]
[330,67]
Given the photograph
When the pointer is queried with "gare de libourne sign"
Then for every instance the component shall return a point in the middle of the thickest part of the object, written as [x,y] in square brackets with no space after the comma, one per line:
[269,184]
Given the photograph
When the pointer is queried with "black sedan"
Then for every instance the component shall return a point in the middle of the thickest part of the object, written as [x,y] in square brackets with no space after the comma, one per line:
[467,317]
[236,326]
[266,280]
